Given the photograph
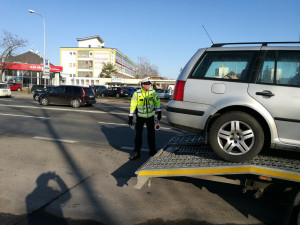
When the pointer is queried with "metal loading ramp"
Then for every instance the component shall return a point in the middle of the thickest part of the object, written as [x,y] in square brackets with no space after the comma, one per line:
[189,156]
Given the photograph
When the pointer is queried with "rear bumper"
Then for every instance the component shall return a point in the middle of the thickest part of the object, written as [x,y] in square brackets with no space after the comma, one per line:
[191,117]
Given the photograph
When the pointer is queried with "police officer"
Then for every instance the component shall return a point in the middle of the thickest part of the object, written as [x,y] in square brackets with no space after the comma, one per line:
[145,103]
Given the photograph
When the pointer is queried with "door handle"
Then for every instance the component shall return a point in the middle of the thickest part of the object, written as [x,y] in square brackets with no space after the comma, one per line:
[265,93]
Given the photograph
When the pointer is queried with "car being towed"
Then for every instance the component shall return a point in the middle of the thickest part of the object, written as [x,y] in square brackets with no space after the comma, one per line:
[75,96]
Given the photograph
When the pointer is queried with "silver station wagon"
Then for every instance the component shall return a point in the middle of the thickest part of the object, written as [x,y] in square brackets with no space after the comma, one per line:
[241,97]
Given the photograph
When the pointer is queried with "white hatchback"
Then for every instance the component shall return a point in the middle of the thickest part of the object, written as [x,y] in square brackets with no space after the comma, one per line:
[5,90]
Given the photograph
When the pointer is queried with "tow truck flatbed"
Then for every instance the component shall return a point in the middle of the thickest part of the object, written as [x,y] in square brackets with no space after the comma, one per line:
[190,156]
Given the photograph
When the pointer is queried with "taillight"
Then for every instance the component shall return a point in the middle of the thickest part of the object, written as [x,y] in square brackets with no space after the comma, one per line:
[179,90]
[83,92]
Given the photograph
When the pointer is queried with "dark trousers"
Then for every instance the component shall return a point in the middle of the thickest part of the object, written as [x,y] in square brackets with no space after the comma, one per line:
[139,134]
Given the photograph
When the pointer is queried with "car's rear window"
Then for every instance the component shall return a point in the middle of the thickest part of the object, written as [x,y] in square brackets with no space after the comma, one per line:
[4,86]
[224,65]
[88,91]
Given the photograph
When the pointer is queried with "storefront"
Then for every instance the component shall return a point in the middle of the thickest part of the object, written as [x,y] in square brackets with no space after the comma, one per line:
[30,74]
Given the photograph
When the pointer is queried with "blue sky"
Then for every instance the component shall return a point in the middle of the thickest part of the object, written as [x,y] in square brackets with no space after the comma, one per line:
[167,32]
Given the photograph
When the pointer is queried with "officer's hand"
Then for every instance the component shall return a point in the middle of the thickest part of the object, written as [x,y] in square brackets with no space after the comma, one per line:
[130,119]
[159,115]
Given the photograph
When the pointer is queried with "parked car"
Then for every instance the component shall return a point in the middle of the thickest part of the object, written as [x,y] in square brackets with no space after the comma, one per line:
[75,96]
[38,92]
[116,92]
[99,90]
[37,87]
[163,93]
[241,98]
[95,87]
[131,90]
[15,87]
[5,90]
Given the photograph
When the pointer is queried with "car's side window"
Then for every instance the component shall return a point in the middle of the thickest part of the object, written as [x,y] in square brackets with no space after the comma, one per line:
[224,66]
[58,90]
[68,90]
[281,68]
[288,68]
[267,72]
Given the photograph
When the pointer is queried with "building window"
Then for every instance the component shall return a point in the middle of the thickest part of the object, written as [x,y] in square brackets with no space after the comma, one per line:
[83,54]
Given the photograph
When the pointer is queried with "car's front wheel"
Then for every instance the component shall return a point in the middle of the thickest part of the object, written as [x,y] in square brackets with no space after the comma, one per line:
[236,136]
[36,98]
[118,95]
[102,95]
[75,103]
[44,101]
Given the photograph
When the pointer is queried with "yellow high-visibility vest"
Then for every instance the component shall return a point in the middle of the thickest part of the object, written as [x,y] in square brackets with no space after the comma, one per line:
[147,103]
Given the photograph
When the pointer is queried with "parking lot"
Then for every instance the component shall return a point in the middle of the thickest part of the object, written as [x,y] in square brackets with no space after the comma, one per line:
[61,165]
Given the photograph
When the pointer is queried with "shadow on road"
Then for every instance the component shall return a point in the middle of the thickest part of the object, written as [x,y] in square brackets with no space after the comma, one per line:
[44,195]
[126,136]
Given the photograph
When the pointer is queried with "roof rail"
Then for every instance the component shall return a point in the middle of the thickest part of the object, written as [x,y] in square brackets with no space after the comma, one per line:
[253,43]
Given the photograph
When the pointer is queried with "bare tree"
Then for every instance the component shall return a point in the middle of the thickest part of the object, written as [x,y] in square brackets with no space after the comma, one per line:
[9,43]
[145,69]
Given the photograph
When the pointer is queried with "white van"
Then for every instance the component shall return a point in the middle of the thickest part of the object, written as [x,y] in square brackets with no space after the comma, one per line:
[5,90]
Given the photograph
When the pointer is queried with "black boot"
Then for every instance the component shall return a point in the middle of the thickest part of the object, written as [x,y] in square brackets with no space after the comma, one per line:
[134,156]
[152,152]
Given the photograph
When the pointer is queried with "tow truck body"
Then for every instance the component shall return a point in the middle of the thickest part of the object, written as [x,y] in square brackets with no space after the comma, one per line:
[189,156]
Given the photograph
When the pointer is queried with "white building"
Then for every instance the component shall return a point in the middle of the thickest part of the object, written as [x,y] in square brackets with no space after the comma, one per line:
[86,61]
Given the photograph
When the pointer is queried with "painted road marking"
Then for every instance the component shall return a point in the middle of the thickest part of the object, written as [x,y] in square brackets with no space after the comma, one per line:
[36,117]
[54,139]
[120,124]
[68,110]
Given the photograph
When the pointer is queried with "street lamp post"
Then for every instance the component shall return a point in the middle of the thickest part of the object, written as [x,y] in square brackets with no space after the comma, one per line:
[32,11]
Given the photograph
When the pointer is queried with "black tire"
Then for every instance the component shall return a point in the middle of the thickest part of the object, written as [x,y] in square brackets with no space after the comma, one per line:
[75,103]
[44,101]
[36,98]
[118,95]
[102,95]
[236,136]
[19,89]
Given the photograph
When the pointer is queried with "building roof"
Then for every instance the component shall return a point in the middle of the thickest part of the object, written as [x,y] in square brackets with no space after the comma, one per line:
[27,57]
[91,37]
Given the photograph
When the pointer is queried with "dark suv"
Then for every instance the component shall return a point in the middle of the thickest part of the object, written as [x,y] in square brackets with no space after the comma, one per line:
[99,90]
[38,92]
[116,92]
[75,96]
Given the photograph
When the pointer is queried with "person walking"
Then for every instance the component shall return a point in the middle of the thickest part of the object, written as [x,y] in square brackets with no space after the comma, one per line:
[145,103]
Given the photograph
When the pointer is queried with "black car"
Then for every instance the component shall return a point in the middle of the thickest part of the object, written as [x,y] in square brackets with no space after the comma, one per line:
[131,90]
[116,92]
[37,93]
[99,90]
[75,96]
[37,87]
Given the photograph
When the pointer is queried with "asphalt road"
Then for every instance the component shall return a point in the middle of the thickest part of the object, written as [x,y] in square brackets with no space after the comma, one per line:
[105,122]
[61,165]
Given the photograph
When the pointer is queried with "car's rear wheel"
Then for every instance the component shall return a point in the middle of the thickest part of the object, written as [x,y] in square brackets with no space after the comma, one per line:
[75,103]
[44,101]
[118,95]
[236,136]
[19,89]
